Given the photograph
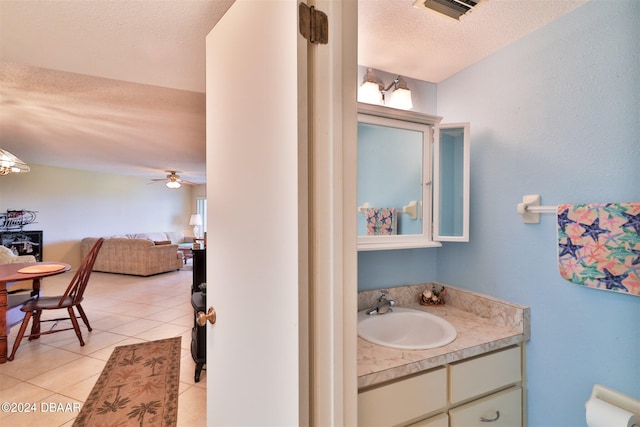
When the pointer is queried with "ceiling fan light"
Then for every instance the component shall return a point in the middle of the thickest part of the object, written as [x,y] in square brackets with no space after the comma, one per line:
[173,184]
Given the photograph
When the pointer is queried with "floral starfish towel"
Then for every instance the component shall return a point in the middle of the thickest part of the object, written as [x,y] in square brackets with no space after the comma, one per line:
[599,245]
[381,221]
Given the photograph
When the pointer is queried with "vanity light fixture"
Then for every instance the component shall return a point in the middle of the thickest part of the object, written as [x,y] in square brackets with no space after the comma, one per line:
[401,96]
[373,91]
[11,164]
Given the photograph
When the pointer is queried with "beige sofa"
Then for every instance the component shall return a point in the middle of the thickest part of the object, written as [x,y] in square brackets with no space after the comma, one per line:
[138,254]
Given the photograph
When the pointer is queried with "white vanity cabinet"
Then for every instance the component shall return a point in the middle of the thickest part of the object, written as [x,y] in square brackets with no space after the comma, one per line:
[502,409]
[492,386]
[483,374]
[403,401]
[486,390]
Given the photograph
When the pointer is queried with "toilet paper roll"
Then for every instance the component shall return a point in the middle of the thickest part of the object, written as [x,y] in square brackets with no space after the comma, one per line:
[604,414]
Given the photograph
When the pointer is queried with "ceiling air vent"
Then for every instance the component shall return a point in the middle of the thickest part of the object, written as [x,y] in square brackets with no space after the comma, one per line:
[452,8]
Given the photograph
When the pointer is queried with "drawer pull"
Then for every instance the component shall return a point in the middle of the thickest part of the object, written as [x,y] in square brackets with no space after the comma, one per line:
[490,420]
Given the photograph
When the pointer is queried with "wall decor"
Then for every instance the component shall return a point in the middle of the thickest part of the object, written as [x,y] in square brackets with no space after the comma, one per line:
[16,219]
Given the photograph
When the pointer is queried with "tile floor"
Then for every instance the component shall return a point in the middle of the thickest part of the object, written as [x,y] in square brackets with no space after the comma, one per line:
[122,310]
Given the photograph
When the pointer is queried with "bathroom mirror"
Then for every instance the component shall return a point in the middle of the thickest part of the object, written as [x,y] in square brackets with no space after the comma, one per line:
[451,183]
[407,181]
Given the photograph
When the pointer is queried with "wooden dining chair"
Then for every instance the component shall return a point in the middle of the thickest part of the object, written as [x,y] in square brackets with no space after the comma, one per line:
[72,297]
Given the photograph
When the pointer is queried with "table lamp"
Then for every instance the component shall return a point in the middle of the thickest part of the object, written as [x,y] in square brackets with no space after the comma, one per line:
[196,221]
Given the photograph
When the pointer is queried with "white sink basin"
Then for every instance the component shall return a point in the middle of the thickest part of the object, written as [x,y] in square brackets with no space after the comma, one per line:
[406,328]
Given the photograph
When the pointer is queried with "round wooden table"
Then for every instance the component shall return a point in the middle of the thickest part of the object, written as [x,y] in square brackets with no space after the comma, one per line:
[10,273]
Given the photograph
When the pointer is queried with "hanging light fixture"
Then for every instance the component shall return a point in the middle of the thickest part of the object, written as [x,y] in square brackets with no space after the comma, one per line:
[173,180]
[372,91]
[11,164]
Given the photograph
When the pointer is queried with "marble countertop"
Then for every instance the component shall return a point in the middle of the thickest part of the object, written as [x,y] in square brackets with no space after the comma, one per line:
[483,324]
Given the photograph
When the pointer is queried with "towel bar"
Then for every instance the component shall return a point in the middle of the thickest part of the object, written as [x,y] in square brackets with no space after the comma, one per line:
[530,209]
[363,209]
[411,209]
[541,209]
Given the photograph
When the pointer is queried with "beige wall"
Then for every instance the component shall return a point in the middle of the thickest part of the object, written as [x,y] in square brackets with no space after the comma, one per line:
[73,204]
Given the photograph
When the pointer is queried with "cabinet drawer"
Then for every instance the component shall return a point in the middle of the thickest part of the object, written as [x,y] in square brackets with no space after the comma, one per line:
[403,401]
[441,420]
[504,409]
[484,374]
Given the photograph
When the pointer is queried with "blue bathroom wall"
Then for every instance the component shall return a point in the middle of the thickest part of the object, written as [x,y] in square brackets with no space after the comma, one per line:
[557,114]
[386,269]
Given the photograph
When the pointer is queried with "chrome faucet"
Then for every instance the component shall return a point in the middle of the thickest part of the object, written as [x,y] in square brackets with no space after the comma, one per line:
[383,305]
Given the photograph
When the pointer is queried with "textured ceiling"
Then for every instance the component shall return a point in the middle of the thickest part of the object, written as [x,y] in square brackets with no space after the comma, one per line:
[153,42]
[118,86]
[109,86]
[401,39]
[77,121]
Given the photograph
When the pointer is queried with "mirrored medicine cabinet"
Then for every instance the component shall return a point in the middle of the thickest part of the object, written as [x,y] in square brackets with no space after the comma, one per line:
[413,179]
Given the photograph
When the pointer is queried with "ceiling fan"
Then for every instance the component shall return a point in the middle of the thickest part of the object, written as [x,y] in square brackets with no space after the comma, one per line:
[173,180]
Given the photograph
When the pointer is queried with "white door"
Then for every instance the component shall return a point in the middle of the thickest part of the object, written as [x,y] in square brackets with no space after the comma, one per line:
[261,275]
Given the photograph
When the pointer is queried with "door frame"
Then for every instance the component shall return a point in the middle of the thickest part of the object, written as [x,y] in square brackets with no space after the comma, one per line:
[333,241]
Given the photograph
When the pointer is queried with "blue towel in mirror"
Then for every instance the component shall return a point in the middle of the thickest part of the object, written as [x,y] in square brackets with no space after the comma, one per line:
[381,221]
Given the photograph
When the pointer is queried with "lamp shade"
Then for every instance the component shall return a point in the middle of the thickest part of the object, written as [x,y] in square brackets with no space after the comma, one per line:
[196,219]
[369,92]
[401,98]
[173,184]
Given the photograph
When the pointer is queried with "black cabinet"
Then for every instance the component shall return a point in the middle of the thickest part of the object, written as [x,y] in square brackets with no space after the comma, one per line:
[199,269]
[23,242]
[198,335]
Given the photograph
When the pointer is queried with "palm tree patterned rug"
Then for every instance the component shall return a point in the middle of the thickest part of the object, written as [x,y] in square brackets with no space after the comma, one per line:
[137,387]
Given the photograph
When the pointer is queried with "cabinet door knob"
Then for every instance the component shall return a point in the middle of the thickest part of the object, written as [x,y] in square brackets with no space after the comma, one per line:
[201,318]
[490,420]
